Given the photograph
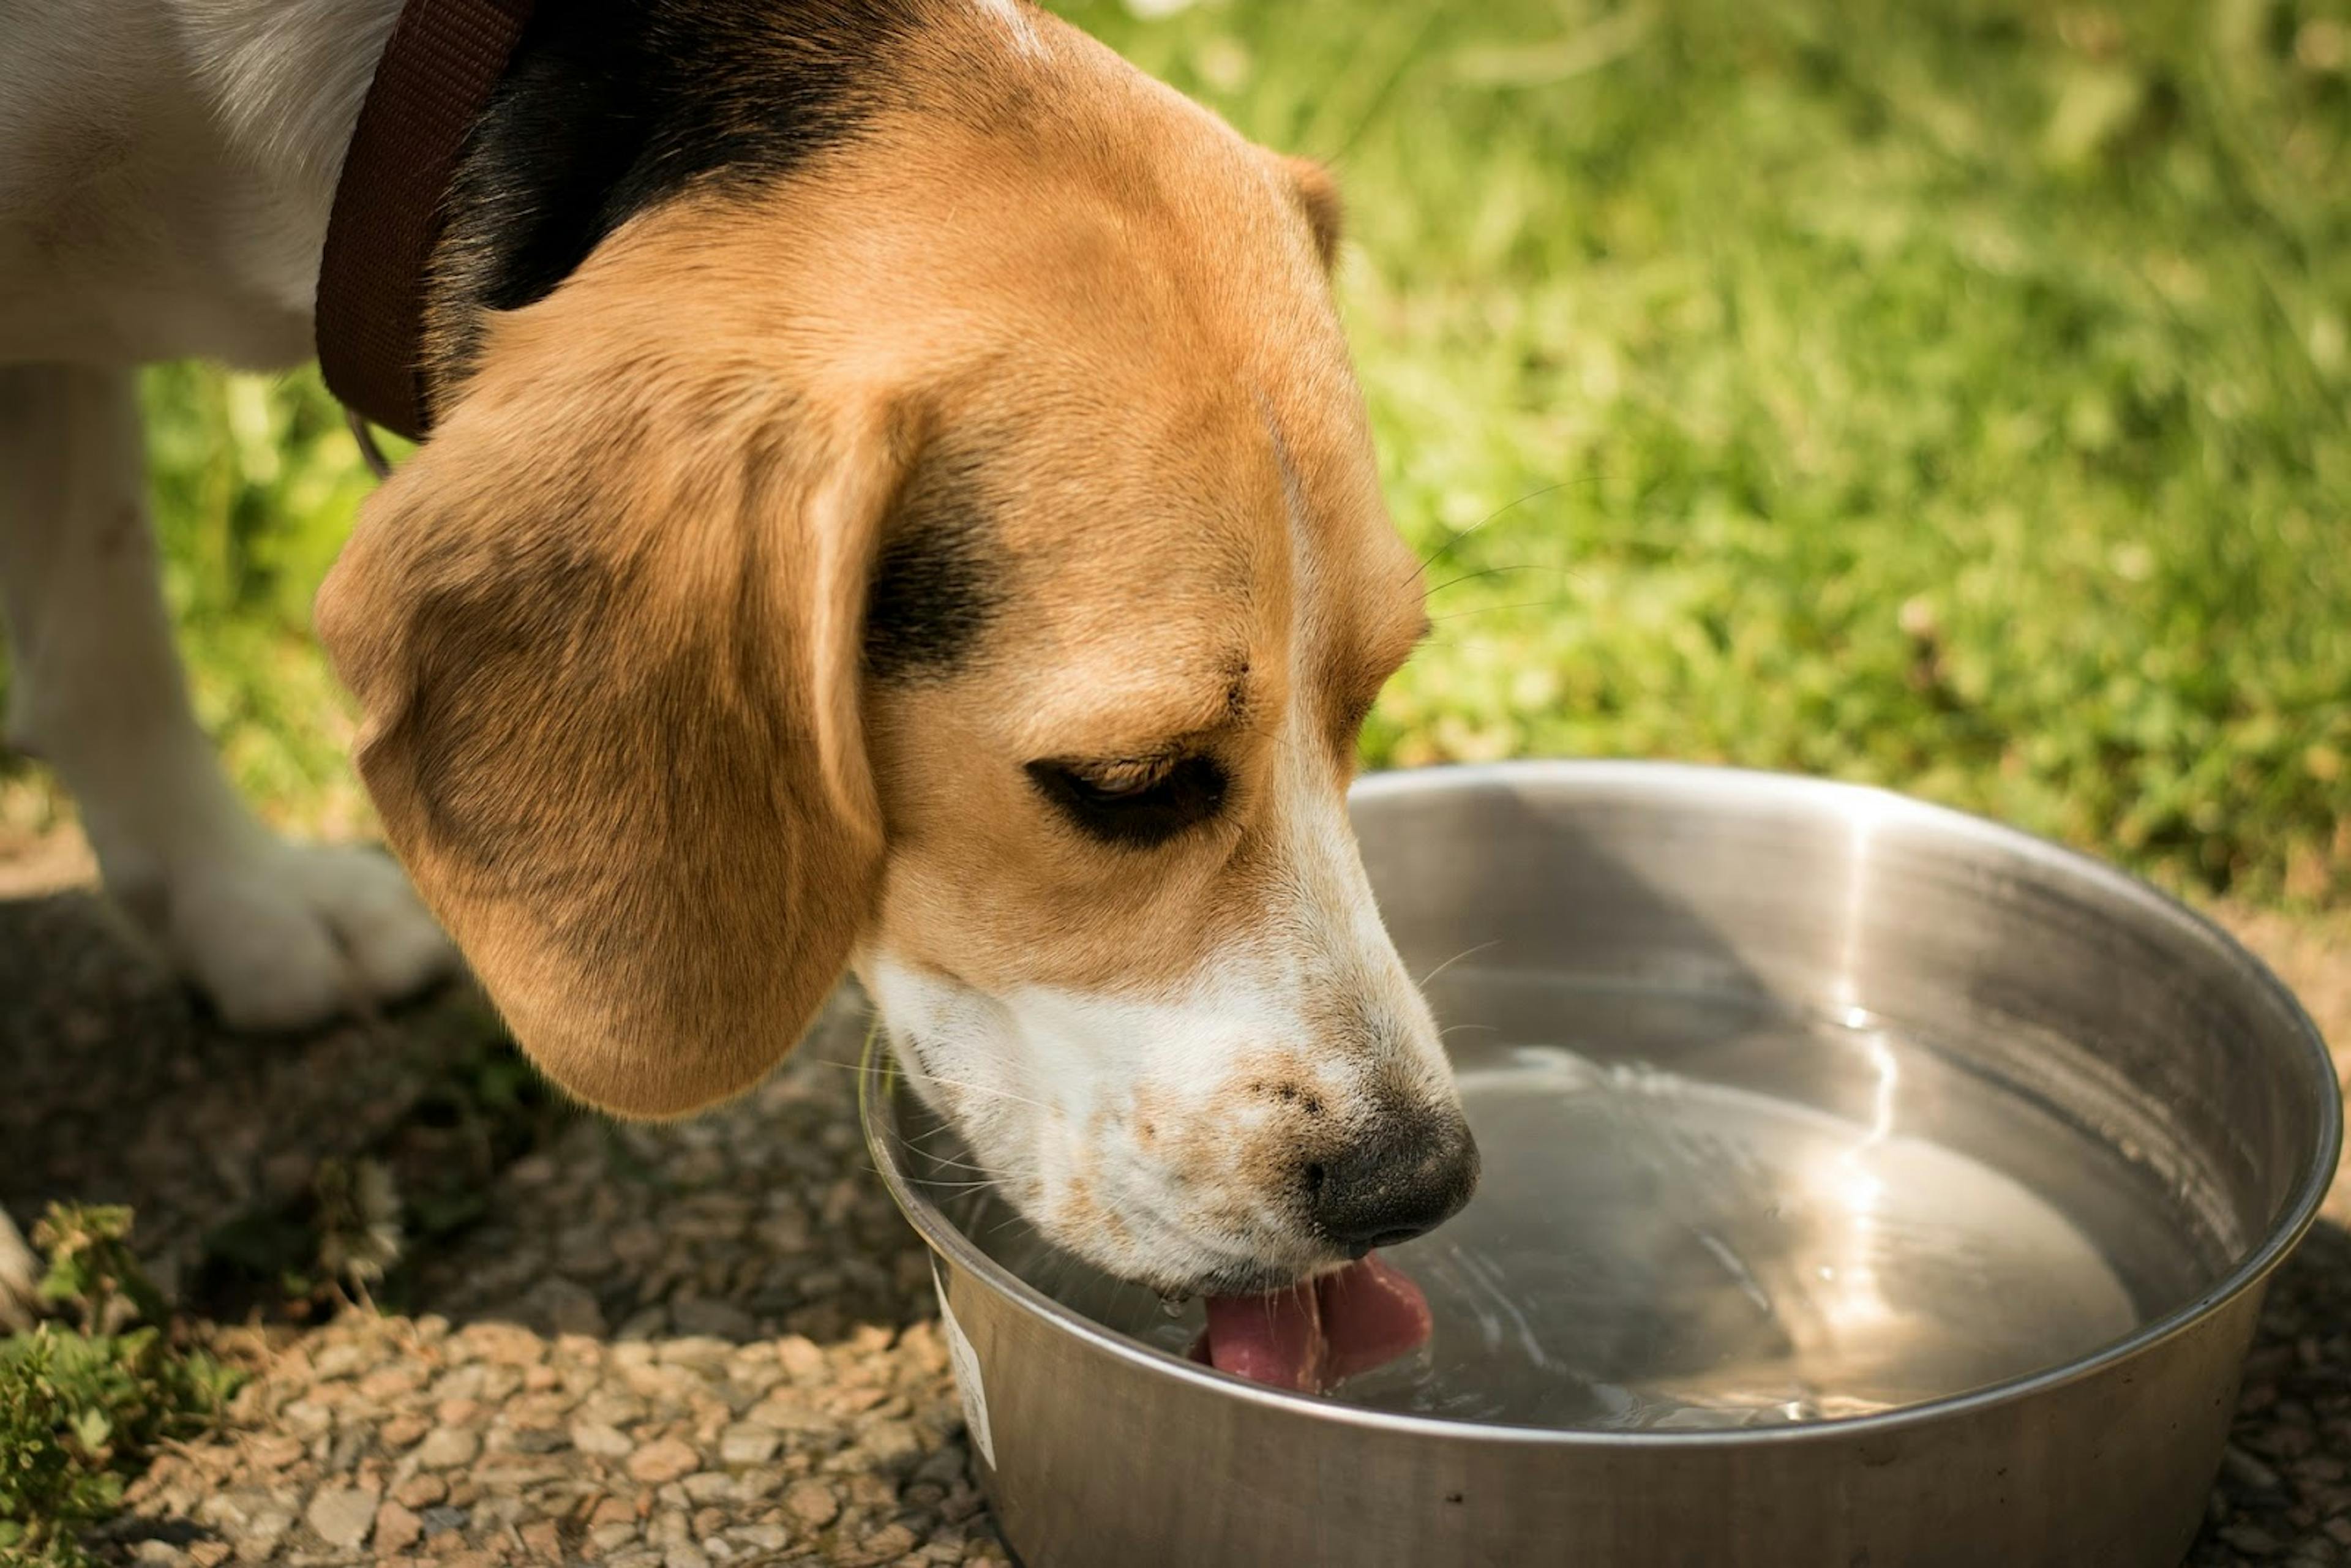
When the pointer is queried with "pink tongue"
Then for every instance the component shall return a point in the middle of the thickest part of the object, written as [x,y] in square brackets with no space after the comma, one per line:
[1310,1337]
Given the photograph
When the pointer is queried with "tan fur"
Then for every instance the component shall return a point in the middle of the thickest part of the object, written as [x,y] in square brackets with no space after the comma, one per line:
[1156,330]
[604,630]
[604,625]
[1318,197]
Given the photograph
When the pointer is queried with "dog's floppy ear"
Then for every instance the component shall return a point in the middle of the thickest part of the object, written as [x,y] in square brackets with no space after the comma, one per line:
[603,630]
[1318,198]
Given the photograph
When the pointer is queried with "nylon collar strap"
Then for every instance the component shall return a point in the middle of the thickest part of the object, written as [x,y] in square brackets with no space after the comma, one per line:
[439,65]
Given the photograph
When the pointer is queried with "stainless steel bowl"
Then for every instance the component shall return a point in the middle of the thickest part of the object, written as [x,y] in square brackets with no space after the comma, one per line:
[1865,1184]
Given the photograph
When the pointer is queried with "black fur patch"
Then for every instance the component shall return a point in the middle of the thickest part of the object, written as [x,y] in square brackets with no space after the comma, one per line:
[938,581]
[611,107]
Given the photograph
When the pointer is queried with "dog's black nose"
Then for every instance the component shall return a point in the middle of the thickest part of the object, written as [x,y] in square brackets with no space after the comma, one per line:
[1412,1175]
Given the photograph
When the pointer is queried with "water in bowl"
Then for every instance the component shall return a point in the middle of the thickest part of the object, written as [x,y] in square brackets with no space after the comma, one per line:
[1705,1213]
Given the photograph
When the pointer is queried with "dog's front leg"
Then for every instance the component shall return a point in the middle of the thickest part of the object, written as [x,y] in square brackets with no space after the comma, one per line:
[279,937]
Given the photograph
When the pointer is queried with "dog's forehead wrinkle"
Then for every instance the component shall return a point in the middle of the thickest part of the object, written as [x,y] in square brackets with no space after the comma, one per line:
[1140,706]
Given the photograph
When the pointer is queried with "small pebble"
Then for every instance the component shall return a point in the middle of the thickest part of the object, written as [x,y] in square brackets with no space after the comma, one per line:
[442,1519]
[892,1540]
[397,1528]
[2247,1471]
[401,1432]
[343,1515]
[665,1460]
[421,1492]
[813,1503]
[446,1448]
[605,1442]
[748,1444]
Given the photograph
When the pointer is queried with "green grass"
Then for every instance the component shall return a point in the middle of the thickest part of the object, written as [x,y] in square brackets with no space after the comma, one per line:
[1950,396]
[81,1406]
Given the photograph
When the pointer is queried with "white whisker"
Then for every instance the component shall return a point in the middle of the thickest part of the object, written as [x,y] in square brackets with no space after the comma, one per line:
[1465,953]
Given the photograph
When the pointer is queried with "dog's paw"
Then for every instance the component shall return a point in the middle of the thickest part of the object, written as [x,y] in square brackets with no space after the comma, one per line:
[282,936]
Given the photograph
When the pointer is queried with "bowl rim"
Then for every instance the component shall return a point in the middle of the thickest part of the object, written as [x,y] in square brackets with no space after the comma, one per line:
[878,1072]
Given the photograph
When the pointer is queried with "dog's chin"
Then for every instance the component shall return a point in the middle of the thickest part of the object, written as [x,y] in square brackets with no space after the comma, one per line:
[1258,1279]
[1223,1279]
[1180,1271]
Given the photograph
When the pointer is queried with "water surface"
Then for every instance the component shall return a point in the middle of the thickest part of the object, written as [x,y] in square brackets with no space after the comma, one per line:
[1698,1213]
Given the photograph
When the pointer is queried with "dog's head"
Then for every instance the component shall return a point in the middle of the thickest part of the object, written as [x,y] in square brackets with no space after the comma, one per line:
[961,561]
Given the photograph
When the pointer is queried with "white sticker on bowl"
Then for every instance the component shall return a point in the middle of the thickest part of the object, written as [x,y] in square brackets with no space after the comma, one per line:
[965,1362]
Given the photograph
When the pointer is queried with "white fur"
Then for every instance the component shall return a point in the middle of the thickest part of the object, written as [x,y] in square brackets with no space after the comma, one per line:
[1007,12]
[166,168]
[280,936]
[1047,1086]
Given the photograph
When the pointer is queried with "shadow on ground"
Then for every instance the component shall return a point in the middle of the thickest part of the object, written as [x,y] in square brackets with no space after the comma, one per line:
[682,1344]
[759,1218]
[2283,1493]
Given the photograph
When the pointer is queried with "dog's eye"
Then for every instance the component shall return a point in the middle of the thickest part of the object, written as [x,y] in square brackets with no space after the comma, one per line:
[1134,803]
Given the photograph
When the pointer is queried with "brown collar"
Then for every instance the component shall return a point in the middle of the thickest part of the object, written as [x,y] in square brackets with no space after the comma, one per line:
[439,65]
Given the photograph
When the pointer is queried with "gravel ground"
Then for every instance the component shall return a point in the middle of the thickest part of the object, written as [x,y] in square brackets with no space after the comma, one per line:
[702,1344]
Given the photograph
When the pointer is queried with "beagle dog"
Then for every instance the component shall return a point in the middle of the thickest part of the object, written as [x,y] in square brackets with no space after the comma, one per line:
[899,503]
